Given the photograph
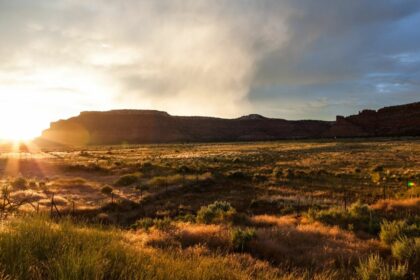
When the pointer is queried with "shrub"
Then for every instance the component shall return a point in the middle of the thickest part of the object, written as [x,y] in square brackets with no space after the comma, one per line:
[359,210]
[146,166]
[107,190]
[406,249]
[358,217]
[33,184]
[160,181]
[240,238]
[219,211]
[42,185]
[184,169]
[186,218]
[237,175]
[378,168]
[392,231]
[163,224]
[127,180]
[374,268]
[141,189]
[260,177]
[403,248]
[278,172]
[19,182]
[147,223]
[333,216]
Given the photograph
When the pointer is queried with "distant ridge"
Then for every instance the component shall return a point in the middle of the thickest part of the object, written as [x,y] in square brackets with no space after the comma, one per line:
[252,117]
[150,126]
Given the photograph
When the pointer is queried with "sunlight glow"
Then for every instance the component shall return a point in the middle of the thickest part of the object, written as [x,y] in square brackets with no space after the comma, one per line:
[30,104]
[20,124]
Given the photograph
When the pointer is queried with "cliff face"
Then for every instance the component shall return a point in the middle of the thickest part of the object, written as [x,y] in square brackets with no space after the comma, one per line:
[146,126]
[403,120]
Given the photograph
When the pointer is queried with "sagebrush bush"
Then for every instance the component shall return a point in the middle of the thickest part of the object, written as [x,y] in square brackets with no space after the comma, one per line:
[160,181]
[357,217]
[217,212]
[374,268]
[163,224]
[127,180]
[241,237]
[20,182]
[147,223]
[359,210]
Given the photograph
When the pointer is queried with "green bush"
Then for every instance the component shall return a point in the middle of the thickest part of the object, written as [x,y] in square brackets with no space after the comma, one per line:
[186,218]
[147,223]
[163,224]
[240,238]
[217,212]
[374,268]
[127,180]
[358,217]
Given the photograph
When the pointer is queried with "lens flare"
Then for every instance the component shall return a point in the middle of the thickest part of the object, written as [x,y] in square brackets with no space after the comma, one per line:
[411,184]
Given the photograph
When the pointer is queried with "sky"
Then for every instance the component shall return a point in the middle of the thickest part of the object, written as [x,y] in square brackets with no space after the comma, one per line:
[292,59]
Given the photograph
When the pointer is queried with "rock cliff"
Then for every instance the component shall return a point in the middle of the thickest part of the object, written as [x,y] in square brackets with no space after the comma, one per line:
[148,126]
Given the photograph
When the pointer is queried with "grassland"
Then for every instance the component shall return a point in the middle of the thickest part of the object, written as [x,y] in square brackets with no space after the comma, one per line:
[270,210]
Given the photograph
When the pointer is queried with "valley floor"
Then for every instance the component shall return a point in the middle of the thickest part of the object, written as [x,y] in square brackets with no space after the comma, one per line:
[340,209]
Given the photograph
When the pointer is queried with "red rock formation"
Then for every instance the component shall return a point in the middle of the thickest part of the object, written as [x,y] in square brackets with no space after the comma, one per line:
[403,120]
[146,126]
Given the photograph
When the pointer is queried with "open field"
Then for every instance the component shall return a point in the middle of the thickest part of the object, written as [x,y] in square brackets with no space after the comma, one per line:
[266,210]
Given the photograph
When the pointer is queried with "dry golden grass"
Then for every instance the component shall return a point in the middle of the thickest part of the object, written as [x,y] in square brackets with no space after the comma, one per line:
[300,242]
[392,205]
[185,235]
[270,220]
[27,195]
[213,236]
[286,240]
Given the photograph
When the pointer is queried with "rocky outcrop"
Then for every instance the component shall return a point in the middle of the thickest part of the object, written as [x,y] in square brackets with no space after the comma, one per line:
[403,120]
[148,126]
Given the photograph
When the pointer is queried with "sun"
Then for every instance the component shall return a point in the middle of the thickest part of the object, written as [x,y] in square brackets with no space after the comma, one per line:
[18,132]
[19,126]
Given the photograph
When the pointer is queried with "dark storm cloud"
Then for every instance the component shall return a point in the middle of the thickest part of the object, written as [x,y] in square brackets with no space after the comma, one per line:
[345,52]
[290,59]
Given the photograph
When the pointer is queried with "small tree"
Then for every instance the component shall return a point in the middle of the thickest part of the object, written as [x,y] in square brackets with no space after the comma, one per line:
[141,189]
[109,191]
[183,169]
[5,192]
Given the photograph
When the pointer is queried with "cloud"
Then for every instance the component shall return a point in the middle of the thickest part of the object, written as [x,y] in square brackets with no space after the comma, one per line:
[290,59]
